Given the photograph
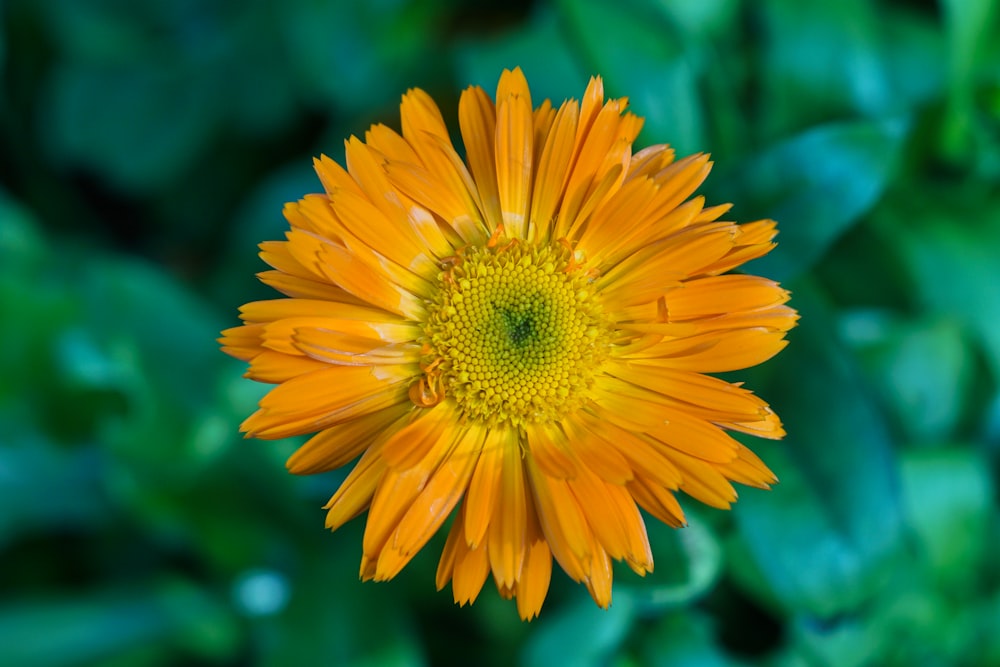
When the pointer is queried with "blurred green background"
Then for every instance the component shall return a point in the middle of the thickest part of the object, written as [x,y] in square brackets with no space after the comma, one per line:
[147,147]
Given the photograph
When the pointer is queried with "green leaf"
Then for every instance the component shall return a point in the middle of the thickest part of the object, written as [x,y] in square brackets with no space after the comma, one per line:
[688,564]
[358,56]
[361,624]
[654,72]
[22,247]
[915,57]
[30,468]
[146,312]
[969,24]
[923,370]
[259,218]
[539,47]
[820,60]
[700,19]
[139,125]
[683,639]
[845,642]
[822,538]
[51,631]
[965,21]
[947,240]
[816,185]
[581,635]
[948,496]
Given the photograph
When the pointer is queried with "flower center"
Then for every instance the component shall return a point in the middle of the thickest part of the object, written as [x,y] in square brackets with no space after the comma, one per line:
[515,334]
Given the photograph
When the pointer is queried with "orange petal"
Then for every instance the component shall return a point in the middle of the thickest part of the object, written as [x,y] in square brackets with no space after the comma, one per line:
[425,130]
[598,582]
[657,500]
[466,567]
[355,494]
[484,488]
[243,342]
[339,445]
[553,167]
[514,151]
[699,395]
[563,522]
[320,399]
[433,505]
[594,448]
[477,120]
[508,527]
[716,351]
[703,481]
[614,518]
[551,449]
[410,444]
[276,367]
[533,584]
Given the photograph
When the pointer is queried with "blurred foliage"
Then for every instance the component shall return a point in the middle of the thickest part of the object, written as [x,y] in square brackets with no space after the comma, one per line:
[148,146]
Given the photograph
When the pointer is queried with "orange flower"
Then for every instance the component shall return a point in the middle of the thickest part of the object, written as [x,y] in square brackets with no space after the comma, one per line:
[522,335]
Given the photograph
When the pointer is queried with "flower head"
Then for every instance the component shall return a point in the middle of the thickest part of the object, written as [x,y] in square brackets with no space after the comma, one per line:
[517,341]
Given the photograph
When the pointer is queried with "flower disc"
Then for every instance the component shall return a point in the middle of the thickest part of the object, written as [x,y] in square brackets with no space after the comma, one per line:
[515,334]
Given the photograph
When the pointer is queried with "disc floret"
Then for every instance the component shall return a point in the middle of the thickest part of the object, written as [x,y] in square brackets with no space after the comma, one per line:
[515,334]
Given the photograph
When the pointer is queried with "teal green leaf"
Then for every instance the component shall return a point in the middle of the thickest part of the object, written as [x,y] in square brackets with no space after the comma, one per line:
[596,634]
[700,19]
[948,495]
[688,562]
[821,60]
[334,615]
[948,244]
[822,538]
[915,52]
[816,185]
[965,21]
[654,72]
[258,219]
[357,56]
[139,125]
[540,47]
[62,630]
[969,24]
[30,468]
[150,313]
[683,639]
[22,246]
[923,370]
[845,642]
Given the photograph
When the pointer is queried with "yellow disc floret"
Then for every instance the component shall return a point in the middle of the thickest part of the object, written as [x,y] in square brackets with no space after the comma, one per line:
[515,334]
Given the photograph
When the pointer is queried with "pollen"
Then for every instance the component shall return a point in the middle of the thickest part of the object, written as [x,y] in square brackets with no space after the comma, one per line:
[515,335]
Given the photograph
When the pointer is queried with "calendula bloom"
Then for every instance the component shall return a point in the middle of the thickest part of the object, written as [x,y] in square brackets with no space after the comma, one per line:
[517,341]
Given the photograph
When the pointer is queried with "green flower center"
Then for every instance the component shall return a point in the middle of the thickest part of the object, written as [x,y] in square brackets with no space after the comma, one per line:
[515,334]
